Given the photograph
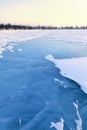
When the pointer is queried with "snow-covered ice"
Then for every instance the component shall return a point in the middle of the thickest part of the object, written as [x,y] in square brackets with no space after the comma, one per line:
[73,68]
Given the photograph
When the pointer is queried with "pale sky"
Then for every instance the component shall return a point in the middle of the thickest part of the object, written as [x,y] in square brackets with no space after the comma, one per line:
[44,12]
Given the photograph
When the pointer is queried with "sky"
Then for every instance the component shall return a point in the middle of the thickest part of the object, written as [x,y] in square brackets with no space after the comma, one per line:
[44,12]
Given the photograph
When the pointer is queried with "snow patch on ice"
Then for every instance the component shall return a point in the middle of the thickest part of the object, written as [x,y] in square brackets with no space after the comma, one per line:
[79,121]
[74,68]
[10,48]
[57,80]
[59,125]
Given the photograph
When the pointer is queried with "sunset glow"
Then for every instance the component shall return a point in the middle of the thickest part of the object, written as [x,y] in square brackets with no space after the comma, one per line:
[47,12]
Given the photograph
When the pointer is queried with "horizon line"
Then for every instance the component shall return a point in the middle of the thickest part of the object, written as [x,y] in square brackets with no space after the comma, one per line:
[29,27]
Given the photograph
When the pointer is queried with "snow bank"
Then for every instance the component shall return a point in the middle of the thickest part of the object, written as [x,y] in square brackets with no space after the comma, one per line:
[74,68]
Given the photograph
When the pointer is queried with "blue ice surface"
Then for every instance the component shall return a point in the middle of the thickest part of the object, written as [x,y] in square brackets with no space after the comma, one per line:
[29,97]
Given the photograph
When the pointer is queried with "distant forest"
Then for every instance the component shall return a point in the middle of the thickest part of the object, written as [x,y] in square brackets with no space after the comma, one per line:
[28,27]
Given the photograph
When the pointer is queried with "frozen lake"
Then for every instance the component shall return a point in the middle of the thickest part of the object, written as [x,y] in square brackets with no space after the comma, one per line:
[43,80]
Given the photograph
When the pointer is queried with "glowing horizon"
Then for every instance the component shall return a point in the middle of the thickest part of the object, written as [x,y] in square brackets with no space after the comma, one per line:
[54,12]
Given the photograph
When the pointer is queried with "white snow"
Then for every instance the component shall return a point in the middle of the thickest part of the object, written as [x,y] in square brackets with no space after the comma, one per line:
[59,125]
[79,121]
[73,68]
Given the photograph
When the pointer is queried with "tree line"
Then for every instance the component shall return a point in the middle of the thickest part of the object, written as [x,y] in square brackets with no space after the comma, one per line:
[28,27]
[24,27]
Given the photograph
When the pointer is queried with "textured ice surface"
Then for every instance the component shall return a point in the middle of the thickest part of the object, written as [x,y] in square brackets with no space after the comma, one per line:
[9,38]
[33,93]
